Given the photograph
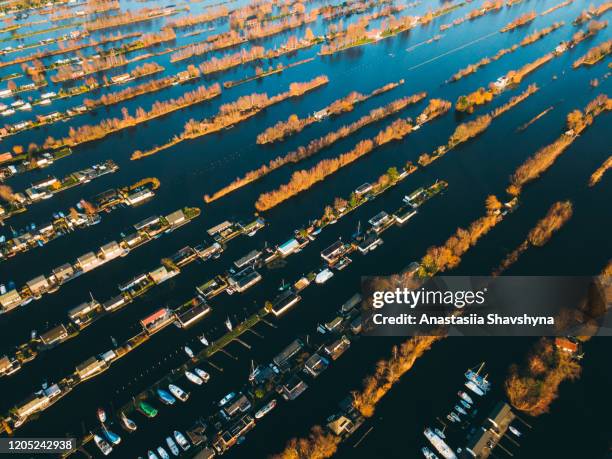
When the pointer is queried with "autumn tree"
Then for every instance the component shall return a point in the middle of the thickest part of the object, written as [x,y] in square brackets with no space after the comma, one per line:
[492,204]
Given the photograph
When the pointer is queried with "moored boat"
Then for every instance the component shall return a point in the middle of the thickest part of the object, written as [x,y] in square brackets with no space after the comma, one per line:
[477,379]
[162,453]
[515,431]
[202,374]
[172,446]
[465,397]
[181,440]
[226,399]
[178,392]
[101,415]
[193,378]
[189,352]
[439,444]
[128,423]
[203,340]
[151,455]
[166,397]
[460,410]
[324,276]
[103,445]
[112,436]
[474,388]
[265,409]
[148,410]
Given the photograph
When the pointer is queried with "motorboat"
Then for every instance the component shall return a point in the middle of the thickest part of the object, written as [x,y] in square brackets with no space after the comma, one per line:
[128,423]
[178,392]
[172,446]
[202,374]
[193,378]
[162,453]
[166,397]
[102,445]
[112,436]
[181,440]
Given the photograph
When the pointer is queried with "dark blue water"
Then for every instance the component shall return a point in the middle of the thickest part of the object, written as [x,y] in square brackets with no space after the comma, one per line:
[578,423]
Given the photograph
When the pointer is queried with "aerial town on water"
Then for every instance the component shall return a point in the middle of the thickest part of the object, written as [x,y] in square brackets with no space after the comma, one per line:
[194,194]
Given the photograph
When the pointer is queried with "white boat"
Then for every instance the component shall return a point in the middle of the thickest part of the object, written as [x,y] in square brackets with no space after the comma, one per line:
[181,440]
[188,351]
[8,112]
[460,410]
[17,103]
[178,392]
[451,418]
[474,388]
[193,378]
[465,404]
[480,381]
[26,106]
[151,455]
[172,446]
[202,374]
[101,415]
[265,409]
[226,399]
[228,324]
[103,445]
[429,454]
[515,431]
[455,416]
[439,433]
[162,453]
[324,276]
[203,340]
[128,423]
[465,397]
[439,444]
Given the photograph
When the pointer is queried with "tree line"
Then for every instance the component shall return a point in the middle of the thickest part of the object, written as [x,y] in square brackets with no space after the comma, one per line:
[234,112]
[303,179]
[316,145]
[294,124]
[130,92]
[87,133]
[544,158]
[558,214]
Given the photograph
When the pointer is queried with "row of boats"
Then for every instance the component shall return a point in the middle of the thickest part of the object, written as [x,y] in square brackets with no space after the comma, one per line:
[105,445]
[108,439]
[478,385]
[179,439]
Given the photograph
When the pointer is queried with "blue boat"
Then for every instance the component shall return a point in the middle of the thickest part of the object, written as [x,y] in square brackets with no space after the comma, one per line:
[166,397]
[112,437]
